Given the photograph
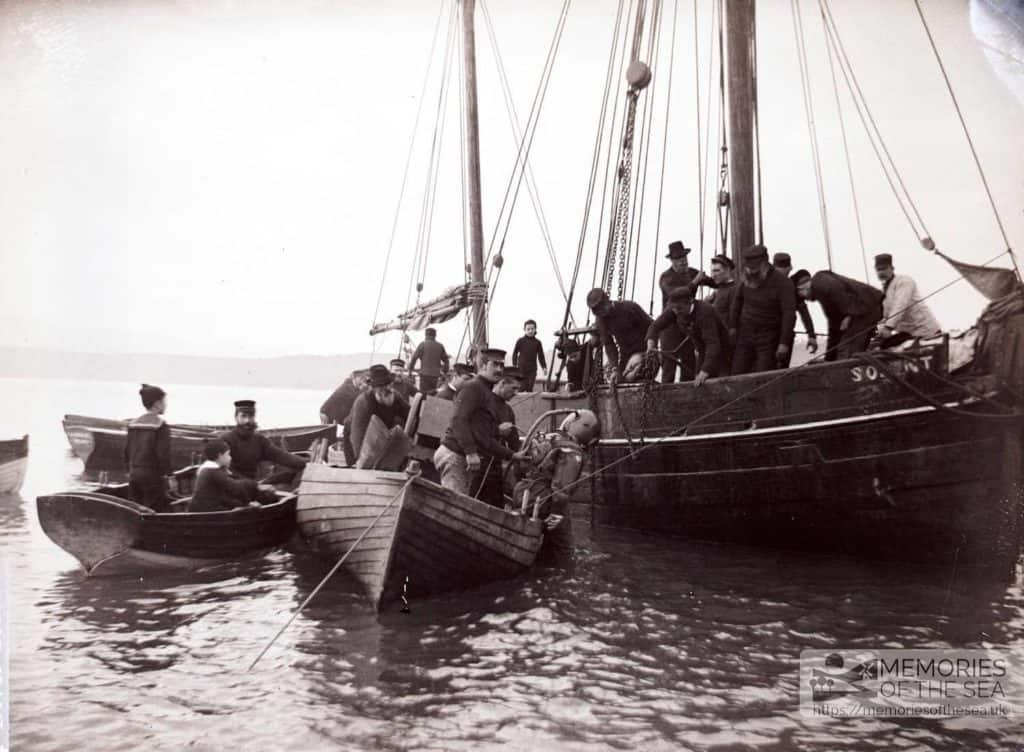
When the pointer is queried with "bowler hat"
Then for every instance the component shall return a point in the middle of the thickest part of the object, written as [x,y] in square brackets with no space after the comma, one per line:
[755,252]
[245,406]
[676,249]
[151,394]
[800,276]
[596,296]
[883,260]
[781,259]
[380,376]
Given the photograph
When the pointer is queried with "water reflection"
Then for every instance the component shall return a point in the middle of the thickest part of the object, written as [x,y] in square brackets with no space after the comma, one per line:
[12,514]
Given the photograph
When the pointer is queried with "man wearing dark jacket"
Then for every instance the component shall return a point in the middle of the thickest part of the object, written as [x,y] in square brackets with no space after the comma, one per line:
[527,353]
[216,490]
[381,400]
[433,360]
[461,373]
[679,274]
[147,451]
[762,314]
[622,327]
[784,264]
[851,307]
[698,321]
[249,447]
[336,408]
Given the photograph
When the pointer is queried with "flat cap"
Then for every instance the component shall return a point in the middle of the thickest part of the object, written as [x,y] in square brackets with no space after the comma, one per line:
[245,406]
[883,260]
[800,276]
[492,353]
[595,296]
[724,260]
[755,252]
[781,259]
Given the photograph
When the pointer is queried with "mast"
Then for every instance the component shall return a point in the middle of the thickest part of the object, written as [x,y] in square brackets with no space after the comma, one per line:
[739,20]
[476,227]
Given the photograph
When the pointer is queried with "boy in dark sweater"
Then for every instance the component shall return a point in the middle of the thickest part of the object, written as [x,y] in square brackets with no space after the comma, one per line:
[525,355]
[216,490]
[147,452]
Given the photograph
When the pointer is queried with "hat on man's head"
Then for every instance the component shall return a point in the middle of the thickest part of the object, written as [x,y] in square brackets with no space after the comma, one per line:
[800,276]
[492,354]
[214,448]
[430,331]
[245,406]
[680,294]
[750,253]
[676,249]
[724,260]
[512,373]
[151,394]
[397,362]
[596,296]
[782,259]
[463,369]
[568,345]
[883,261]
[380,375]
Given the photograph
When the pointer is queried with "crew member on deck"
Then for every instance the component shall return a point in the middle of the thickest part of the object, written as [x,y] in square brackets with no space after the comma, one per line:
[337,407]
[381,400]
[401,384]
[762,315]
[904,314]
[460,375]
[147,452]
[723,285]
[697,321]
[680,274]
[433,360]
[784,264]
[249,447]
[851,307]
[527,353]
[216,490]
[573,353]
[473,439]
[622,327]
[487,483]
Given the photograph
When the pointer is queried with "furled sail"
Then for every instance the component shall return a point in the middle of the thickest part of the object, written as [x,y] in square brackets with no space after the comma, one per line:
[992,282]
[435,311]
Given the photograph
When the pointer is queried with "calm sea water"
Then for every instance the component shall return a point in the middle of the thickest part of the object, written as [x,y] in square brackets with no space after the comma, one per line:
[643,643]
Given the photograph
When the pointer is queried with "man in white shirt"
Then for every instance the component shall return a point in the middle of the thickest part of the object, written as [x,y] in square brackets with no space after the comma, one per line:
[904,314]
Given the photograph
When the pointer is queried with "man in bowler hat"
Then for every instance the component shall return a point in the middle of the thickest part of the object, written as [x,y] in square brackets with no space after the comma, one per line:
[381,400]
[680,274]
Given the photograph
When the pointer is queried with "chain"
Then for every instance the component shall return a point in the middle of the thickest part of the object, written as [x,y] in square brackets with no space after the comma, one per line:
[618,245]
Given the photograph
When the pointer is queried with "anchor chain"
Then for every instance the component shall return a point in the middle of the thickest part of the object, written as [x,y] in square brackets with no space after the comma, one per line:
[618,241]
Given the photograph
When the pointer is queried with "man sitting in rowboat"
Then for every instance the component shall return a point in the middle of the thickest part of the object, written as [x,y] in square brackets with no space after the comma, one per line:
[216,490]
[249,447]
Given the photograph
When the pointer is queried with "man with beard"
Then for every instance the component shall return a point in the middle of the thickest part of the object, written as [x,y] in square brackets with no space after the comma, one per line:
[852,309]
[679,274]
[762,316]
[622,327]
[784,264]
[381,400]
[697,321]
[249,447]
[401,384]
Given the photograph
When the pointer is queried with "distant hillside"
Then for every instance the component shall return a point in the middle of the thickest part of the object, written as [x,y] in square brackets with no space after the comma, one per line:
[295,371]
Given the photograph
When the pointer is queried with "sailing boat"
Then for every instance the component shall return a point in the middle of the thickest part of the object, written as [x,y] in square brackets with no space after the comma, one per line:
[397,533]
[914,454]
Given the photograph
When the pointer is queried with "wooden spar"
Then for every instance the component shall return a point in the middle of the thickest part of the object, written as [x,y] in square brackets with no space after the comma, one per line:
[739,19]
[476,228]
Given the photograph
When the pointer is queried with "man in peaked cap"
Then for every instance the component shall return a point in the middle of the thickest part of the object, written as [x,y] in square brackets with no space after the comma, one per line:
[852,309]
[249,447]
[762,315]
[401,384]
[784,264]
[698,322]
[433,360]
[381,400]
[472,441]
[679,274]
[147,451]
[904,314]
[622,327]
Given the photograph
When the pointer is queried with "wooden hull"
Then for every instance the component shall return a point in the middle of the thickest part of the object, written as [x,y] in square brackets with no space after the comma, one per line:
[13,464]
[428,541]
[110,535]
[914,484]
[100,442]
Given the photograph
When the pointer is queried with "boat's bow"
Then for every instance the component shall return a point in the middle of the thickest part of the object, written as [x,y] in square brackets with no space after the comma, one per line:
[91,527]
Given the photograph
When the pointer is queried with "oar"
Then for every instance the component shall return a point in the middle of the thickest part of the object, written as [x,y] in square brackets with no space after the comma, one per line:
[336,567]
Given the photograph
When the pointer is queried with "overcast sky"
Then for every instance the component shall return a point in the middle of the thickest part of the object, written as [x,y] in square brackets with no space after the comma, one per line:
[218,177]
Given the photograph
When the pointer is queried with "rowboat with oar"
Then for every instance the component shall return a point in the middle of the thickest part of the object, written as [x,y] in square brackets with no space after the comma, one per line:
[13,463]
[109,533]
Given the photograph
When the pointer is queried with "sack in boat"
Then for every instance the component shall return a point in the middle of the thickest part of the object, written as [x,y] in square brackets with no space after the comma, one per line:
[383,448]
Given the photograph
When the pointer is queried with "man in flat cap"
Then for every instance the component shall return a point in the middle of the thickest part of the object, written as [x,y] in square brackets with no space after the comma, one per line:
[381,400]
[762,315]
[147,451]
[679,274]
[401,384]
[433,360]
[697,321]
[622,327]
[472,441]
[784,264]
[249,447]
[461,373]
[904,314]
[852,309]
[337,407]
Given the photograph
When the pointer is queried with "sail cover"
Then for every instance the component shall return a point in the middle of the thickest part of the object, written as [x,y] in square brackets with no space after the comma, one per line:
[993,283]
[435,311]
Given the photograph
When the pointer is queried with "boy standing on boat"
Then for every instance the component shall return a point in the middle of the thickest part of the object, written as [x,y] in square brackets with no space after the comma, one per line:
[763,314]
[148,450]
[381,400]
[433,360]
[249,447]
[526,354]
[852,309]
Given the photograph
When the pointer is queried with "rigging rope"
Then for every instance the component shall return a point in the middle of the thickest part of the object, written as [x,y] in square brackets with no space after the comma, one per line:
[970,141]
[757,130]
[723,203]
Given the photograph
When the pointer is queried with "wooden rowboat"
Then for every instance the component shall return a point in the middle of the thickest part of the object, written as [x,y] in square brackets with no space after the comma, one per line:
[428,539]
[100,442]
[110,534]
[13,463]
